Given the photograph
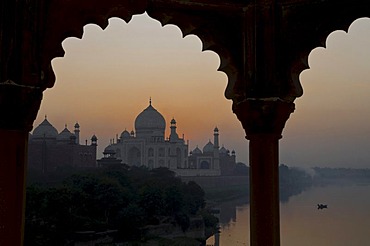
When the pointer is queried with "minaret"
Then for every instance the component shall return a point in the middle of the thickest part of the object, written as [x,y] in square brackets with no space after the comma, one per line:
[77,133]
[215,135]
[94,144]
[94,140]
[216,150]
[173,136]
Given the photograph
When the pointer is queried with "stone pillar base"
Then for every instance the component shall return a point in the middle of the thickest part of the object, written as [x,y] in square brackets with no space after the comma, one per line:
[13,153]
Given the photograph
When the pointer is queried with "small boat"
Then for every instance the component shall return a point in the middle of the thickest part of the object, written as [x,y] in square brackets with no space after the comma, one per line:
[322,206]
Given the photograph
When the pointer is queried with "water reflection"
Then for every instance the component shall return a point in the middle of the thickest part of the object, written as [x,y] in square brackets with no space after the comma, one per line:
[228,209]
[345,222]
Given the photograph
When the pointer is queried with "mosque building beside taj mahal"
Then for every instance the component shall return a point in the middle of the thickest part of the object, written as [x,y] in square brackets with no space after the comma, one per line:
[49,150]
[147,146]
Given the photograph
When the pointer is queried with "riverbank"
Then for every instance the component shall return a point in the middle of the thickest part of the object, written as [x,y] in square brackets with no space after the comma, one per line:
[221,188]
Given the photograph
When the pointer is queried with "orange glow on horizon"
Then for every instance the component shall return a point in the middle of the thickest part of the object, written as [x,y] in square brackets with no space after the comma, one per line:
[106,79]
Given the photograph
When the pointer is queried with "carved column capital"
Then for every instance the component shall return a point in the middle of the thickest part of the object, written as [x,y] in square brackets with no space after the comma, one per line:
[263,116]
[18,105]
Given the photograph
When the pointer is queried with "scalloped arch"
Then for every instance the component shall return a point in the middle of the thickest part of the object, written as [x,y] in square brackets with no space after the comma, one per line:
[73,27]
[314,31]
[208,40]
[320,41]
[222,28]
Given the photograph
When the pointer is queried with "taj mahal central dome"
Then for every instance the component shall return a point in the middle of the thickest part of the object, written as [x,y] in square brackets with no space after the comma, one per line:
[150,121]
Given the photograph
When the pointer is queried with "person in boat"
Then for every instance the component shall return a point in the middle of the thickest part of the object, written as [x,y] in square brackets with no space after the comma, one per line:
[322,206]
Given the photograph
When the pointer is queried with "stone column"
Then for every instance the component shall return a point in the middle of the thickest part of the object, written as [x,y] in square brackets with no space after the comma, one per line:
[18,108]
[13,145]
[263,121]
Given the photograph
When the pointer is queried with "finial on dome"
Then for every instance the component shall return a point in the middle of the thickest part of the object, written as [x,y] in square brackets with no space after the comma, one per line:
[150,101]
[65,125]
[46,117]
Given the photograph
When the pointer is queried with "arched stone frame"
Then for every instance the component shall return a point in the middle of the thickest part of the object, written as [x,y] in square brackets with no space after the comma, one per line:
[263,78]
[52,32]
[225,27]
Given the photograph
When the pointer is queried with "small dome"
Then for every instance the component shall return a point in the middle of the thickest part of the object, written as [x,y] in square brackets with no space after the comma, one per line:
[150,118]
[223,150]
[197,151]
[125,134]
[94,138]
[216,129]
[64,135]
[109,150]
[208,148]
[45,130]
[173,121]
[77,125]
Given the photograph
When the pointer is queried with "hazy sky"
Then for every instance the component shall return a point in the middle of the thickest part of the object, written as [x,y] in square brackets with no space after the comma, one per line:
[106,79]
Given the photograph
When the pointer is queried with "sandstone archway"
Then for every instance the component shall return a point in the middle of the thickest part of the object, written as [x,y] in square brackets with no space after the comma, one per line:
[263,46]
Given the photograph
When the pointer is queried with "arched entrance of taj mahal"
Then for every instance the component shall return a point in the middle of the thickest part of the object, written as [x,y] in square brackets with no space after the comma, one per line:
[263,46]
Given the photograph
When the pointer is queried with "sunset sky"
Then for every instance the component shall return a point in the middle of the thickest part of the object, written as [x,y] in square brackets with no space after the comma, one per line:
[106,79]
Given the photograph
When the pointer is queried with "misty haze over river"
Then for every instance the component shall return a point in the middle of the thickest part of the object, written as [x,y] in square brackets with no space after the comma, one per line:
[345,222]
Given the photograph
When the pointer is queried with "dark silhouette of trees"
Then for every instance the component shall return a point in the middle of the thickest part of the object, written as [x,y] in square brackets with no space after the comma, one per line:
[117,197]
[292,181]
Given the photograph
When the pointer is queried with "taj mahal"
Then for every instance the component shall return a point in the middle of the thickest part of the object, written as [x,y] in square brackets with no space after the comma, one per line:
[148,146]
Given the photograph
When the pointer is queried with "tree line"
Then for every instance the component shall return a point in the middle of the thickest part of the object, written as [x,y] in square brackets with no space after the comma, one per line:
[120,198]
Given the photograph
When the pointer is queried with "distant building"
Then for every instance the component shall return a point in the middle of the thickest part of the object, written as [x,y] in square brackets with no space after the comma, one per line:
[109,157]
[48,149]
[147,146]
[211,155]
